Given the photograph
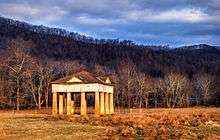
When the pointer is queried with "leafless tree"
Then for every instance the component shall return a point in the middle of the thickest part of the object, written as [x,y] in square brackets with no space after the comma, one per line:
[158,90]
[68,67]
[36,79]
[40,72]
[49,73]
[174,87]
[31,83]
[126,72]
[204,84]
[17,61]
[145,88]
[101,70]
[3,95]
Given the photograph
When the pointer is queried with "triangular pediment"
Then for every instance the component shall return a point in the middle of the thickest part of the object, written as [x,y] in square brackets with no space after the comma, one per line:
[108,80]
[74,79]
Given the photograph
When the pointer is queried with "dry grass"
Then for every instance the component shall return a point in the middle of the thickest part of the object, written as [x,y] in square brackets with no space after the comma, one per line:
[28,126]
[187,123]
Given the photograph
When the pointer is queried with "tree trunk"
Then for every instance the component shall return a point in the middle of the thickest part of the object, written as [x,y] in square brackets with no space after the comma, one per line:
[155,102]
[146,103]
[174,101]
[197,100]
[140,103]
[39,101]
[205,97]
[46,95]
[187,101]
[18,100]
[168,103]
[117,100]
[40,93]
[18,95]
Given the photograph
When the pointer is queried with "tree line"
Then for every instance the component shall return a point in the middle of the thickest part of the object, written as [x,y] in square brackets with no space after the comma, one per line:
[144,75]
[25,81]
[174,89]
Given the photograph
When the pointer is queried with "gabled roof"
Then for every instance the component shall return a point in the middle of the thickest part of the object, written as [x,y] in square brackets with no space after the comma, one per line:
[82,77]
[105,79]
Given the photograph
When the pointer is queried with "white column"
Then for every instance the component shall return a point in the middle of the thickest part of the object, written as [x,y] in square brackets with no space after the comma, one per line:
[54,106]
[107,103]
[83,109]
[72,107]
[102,103]
[111,100]
[60,104]
[97,109]
[68,107]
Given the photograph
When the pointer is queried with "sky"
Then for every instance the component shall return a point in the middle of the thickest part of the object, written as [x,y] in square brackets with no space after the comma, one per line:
[151,22]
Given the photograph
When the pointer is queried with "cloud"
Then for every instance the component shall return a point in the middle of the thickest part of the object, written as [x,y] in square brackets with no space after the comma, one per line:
[106,11]
[154,21]
[184,15]
[85,19]
[36,14]
[181,15]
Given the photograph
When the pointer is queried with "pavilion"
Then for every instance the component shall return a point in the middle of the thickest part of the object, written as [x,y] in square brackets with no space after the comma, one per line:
[82,83]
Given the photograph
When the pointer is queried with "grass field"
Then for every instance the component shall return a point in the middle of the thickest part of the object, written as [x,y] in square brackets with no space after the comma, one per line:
[187,123]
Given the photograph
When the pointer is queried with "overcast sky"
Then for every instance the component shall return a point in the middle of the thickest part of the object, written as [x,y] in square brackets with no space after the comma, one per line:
[159,22]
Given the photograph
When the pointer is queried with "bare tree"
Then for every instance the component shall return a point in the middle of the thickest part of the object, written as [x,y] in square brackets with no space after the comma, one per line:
[174,87]
[3,92]
[68,67]
[126,72]
[40,72]
[49,74]
[31,82]
[17,61]
[145,88]
[117,90]
[101,70]
[158,87]
[204,84]
[36,82]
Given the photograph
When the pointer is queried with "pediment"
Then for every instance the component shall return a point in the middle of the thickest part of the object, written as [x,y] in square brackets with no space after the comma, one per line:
[74,79]
[108,81]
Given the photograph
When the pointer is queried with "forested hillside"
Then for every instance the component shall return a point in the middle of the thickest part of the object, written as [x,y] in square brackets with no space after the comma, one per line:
[144,76]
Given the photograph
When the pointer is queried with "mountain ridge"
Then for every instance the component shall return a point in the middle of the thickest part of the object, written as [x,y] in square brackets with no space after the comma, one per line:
[78,37]
[153,60]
